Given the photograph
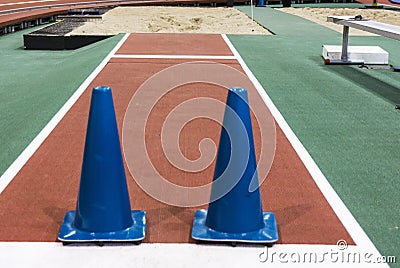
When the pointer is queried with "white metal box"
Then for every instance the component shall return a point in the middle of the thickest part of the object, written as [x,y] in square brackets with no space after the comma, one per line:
[357,54]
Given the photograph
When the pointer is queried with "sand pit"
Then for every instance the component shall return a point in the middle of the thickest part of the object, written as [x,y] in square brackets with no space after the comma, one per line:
[153,19]
[162,19]
[319,16]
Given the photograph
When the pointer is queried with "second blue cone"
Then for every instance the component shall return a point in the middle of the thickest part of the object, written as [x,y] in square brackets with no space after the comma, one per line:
[235,213]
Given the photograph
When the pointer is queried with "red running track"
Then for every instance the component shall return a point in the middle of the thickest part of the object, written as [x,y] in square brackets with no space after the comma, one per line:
[34,204]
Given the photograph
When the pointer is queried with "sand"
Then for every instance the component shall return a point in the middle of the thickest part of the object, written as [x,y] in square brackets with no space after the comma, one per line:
[319,16]
[153,19]
[162,19]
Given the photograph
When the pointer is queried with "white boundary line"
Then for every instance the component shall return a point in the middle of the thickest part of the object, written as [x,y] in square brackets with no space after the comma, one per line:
[192,57]
[21,160]
[352,226]
[50,254]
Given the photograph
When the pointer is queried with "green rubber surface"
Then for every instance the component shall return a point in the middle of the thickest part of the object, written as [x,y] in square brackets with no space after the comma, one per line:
[343,115]
[35,84]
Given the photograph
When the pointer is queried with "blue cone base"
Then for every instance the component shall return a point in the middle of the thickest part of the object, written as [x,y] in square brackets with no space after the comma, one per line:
[136,232]
[268,234]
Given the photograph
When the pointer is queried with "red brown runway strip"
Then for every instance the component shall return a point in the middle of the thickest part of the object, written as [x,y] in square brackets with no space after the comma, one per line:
[33,206]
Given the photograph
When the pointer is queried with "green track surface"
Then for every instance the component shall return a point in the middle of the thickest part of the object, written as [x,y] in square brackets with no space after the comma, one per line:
[34,85]
[343,115]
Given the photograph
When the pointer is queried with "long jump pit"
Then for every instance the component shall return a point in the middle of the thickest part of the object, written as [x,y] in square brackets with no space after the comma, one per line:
[169,93]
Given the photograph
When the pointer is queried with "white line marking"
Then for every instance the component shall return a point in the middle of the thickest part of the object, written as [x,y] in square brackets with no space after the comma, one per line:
[51,254]
[17,165]
[345,216]
[194,57]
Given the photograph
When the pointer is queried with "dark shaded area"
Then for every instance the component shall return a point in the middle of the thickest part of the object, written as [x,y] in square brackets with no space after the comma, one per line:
[376,86]
[51,42]
[54,37]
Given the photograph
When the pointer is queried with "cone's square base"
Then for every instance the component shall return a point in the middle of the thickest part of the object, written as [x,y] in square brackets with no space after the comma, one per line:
[268,234]
[136,232]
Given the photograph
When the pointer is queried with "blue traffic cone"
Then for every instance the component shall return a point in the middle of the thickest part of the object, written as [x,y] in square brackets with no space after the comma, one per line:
[235,213]
[261,3]
[103,211]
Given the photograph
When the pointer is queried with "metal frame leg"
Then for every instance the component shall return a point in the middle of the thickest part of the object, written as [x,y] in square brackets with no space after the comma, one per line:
[345,43]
